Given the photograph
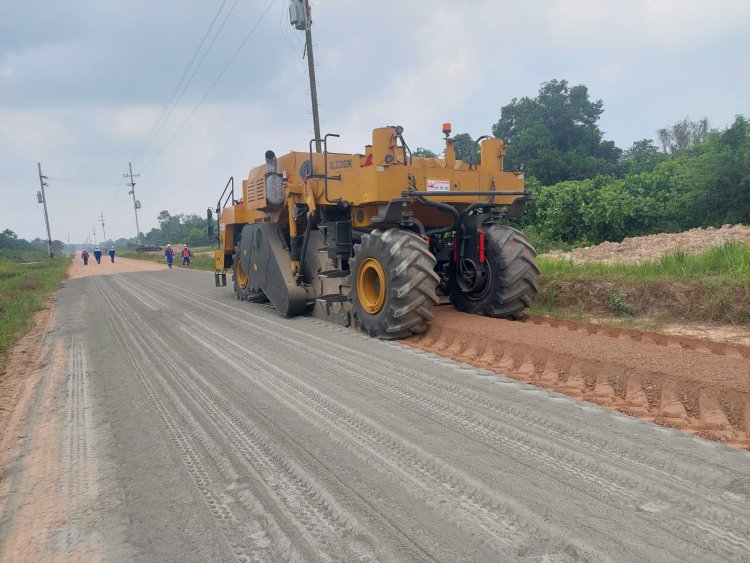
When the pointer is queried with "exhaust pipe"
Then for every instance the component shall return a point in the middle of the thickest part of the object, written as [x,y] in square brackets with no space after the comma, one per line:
[271,162]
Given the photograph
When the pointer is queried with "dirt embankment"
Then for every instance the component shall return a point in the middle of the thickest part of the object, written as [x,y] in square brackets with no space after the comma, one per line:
[691,384]
[652,247]
[706,301]
[651,301]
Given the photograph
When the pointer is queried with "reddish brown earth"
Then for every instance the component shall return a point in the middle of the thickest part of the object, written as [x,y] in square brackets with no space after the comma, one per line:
[120,266]
[691,384]
[652,247]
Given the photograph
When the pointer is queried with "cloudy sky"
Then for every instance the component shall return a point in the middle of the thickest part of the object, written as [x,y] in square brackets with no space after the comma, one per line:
[83,86]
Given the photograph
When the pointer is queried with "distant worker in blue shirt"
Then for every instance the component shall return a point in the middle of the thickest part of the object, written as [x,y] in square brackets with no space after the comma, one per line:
[112,253]
[169,255]
[98,255]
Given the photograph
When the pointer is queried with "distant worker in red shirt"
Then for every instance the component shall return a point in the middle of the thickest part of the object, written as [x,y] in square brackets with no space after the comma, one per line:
[186,254]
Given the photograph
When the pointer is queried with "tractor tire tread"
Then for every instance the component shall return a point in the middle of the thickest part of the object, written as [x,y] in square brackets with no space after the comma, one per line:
[412,282]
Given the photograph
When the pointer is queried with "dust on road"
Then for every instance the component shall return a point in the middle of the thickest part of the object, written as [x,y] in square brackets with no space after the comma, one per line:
[190,426]
[119,266]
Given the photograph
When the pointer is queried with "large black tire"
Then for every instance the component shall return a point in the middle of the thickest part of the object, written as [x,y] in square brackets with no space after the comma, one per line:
[244,293]
[408,295]
[512,280]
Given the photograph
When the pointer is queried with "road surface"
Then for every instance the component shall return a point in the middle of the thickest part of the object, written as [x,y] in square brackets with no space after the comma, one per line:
[172,422]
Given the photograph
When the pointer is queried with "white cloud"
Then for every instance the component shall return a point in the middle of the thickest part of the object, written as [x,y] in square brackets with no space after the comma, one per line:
[130,121]
[641,24]
[33,132]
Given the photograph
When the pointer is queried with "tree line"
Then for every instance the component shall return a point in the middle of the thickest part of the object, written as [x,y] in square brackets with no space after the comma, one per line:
[9,241]
[180,228]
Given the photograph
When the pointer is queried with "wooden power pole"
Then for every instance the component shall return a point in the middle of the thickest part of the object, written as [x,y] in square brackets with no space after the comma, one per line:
[41,196]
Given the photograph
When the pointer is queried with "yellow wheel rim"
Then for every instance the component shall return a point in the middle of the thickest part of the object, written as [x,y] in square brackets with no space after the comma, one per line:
[240,275]
[371,285]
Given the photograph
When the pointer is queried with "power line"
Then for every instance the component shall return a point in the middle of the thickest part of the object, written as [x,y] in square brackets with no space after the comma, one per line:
[297,48]
[170,106]
[223,70]
[180,82]
[87,182]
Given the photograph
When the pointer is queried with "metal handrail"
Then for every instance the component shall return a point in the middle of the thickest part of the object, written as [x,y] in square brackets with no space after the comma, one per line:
[219,205]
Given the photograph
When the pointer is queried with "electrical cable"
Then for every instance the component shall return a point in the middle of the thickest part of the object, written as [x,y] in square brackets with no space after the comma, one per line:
[86,182]
[175,97]
[210,88]
[284,33]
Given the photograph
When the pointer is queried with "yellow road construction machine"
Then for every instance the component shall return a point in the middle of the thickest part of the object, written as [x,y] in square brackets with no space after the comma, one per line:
[378,239]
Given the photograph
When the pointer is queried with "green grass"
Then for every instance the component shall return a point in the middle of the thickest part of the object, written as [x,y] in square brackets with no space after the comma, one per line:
[712,286]
[730,261]
[26,280]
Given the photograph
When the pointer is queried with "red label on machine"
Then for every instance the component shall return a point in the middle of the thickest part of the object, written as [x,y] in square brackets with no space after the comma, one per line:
[438,185]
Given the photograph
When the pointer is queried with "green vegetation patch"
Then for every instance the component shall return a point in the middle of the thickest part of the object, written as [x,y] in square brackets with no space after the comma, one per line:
[26,280]
[713,286]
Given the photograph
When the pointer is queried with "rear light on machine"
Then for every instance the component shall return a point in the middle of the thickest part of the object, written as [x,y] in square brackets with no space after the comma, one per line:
[481,247]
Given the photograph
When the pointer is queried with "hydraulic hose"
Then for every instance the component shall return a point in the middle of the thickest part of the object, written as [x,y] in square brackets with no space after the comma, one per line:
[304,246]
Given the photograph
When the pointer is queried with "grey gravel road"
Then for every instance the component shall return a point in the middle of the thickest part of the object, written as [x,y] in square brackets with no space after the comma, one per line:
[203,428]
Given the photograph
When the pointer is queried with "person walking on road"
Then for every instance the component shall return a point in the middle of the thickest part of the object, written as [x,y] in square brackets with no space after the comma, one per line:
[186,254]
[85,256]
[112,254]
[169,255]
[98,255]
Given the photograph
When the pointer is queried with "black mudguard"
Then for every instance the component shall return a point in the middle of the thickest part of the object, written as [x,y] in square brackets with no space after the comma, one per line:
[267,262]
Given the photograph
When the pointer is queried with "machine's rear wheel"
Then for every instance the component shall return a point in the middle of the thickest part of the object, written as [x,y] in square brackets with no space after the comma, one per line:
[393,284]
[512,276]
[242,284]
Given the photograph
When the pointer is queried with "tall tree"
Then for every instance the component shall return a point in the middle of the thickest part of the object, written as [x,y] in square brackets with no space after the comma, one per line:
[555,135]
[683,135]
[643,156]
[466,149]
[424,153]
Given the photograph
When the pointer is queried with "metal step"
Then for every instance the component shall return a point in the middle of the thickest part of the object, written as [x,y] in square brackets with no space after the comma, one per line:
[334,274]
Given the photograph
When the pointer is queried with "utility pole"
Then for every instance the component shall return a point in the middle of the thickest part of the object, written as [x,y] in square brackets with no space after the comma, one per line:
[42,198]
[93,230]
[101,219]
[136,204]
[304,21]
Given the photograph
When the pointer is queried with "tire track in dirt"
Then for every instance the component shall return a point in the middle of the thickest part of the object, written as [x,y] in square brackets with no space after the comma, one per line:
[441,487]
[195,465]
[50,501]
[77,464]
[601,479]
[317,516]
